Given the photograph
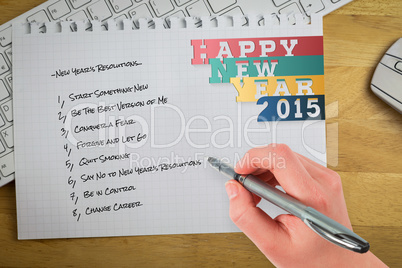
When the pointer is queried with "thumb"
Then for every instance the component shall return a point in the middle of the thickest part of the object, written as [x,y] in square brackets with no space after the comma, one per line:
[265,232]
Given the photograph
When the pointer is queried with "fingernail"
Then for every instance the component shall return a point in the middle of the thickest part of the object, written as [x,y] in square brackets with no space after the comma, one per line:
[231,189]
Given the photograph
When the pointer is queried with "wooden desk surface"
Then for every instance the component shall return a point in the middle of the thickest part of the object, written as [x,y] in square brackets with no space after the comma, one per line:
[364,142]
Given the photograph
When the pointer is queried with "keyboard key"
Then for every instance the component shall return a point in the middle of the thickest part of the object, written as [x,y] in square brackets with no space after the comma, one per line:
[78,3]
[181,2]
[9,54]
[7,109]
[9,79]
[38,17]
[5,37]
[59,9]
[7,164]
[312,6]
[3,91]
[3,65]
[280,2]
[99,11]
[198,9]
[141,11]
[236,12]
[219,5]
[79,16]
[120,5]
[161,7]
[8,136]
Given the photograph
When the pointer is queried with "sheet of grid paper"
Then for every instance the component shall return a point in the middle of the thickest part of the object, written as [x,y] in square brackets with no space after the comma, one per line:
[112,127]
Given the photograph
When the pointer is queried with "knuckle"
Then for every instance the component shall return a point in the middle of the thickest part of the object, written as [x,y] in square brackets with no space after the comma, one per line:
[280,155]
[334,181]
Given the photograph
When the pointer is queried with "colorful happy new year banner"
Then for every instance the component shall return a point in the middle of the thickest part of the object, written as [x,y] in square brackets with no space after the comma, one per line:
[286,74]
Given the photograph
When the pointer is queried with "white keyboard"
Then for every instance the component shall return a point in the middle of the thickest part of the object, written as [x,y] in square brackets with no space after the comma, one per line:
[126,9]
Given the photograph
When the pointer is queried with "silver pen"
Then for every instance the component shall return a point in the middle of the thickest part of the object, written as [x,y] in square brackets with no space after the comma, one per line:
[318,222]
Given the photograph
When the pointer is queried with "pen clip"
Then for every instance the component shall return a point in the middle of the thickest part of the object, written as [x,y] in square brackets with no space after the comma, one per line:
[344,240]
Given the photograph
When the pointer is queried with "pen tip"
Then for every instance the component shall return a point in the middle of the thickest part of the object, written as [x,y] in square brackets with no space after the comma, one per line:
[213,161]
[210,159]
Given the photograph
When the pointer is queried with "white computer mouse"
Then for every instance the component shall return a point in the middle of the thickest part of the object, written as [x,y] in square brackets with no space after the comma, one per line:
[387,78]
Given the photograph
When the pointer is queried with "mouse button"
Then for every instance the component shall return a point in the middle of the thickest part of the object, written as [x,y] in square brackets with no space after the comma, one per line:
[388,81]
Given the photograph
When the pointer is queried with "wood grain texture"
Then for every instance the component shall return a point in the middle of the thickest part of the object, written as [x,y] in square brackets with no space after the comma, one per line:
[364,145]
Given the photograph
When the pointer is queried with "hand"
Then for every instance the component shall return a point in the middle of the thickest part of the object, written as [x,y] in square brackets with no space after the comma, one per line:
[286,241]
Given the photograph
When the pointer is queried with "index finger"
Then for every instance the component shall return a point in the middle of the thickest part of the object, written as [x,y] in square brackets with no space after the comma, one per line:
[283,163]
